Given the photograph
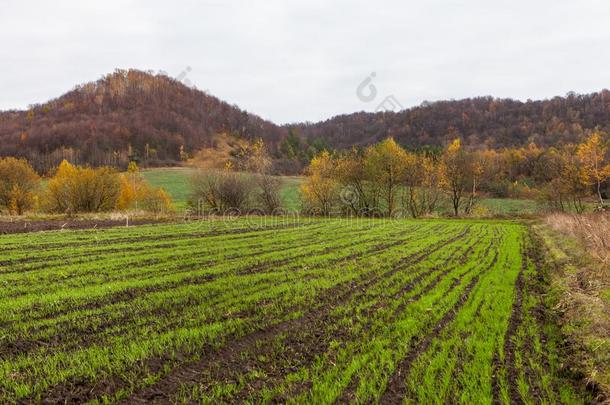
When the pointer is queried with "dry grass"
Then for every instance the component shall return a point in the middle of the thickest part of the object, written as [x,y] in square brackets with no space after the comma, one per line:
[592,229]
[579,247]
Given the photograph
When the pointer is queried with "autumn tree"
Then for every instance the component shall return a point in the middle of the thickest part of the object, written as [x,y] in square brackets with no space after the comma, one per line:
[319,190]
[422,181]
[476,167]
[136,193]
[595,169]
[360,193]
[157,201]
[565,189]
[222,191]
[268,187]
[18,185]
[569,180]
[132,188]
[386,161]
[456,173]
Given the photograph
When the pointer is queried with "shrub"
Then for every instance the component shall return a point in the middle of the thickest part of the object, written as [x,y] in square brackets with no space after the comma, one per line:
[222,190]
[18,185]
[268,195]
[82,189]
[156,200]
[135,193]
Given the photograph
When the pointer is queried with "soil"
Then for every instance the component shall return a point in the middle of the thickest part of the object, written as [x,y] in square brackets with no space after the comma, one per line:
[21,226]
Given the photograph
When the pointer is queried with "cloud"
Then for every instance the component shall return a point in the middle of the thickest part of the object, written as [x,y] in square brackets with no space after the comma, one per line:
[295,61]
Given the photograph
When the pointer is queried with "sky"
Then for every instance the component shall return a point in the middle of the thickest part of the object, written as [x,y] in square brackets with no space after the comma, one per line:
[294,61]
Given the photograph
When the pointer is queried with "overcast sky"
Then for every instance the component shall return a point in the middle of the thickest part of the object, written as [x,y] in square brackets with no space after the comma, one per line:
[291,61]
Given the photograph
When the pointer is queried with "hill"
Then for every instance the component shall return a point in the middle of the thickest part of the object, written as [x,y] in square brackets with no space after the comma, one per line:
[158,121]
[480,122]
[125,115]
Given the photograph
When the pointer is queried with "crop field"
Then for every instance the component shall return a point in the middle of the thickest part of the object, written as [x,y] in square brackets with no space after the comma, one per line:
[264,310]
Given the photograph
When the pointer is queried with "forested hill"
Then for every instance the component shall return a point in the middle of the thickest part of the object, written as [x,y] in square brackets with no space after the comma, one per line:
[159,121]
[128,114]
[480,122]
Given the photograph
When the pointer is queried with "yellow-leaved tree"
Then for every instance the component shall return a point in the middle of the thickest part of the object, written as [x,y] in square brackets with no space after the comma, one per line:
[360,194]
[422,180]
[387,162]
[594,167]
[319,190]
[18,185]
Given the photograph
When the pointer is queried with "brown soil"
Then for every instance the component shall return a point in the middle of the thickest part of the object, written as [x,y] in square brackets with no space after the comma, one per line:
[21,226]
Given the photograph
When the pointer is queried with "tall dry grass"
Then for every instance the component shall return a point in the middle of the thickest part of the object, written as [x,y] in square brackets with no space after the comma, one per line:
[592,229]
[583,276]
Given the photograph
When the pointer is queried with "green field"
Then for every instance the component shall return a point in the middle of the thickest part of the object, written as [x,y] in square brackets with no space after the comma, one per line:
[176,181]
[279,310]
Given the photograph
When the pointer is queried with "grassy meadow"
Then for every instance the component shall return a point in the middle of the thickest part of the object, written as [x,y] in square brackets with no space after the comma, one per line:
[176,181]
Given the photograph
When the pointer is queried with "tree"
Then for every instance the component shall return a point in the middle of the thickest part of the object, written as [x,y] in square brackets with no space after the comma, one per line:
[456,173]
[18,185]
[565,190]
[592,154]
[133,188]
[291,145]
[157,201]
[268,193]
[386,161]
[360,193]
[477,169]
[136,193]
[319,189]
[422,180]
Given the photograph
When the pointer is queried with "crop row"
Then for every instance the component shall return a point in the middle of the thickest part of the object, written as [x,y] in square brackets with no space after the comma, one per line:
[317,311]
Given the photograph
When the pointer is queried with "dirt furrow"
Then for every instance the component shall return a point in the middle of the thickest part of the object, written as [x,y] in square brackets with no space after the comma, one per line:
[311,338]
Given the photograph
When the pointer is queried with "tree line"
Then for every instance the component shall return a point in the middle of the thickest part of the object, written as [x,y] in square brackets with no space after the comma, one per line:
[386,179]
[481,123]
